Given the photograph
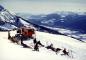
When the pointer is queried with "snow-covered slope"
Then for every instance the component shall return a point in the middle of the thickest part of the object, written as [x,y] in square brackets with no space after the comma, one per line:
[20,22]
[10,51]
[6,19]
[7,26]
[9,21]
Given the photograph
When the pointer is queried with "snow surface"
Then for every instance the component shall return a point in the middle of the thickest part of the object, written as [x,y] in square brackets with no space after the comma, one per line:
[10,51]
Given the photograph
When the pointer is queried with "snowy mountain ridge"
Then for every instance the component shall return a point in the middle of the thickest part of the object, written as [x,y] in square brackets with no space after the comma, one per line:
[9,21]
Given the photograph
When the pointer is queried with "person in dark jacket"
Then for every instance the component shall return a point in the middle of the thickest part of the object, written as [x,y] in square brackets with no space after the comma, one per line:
[9,35]
[57,50]
[37,44]
[35,41]
[40,44]
[50,47]
[65,52]
[36,47]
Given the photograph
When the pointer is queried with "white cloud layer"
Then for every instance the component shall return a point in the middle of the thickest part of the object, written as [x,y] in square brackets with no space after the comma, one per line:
[42,6]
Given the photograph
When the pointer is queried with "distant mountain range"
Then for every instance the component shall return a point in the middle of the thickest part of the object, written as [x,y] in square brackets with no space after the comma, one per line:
[69,20]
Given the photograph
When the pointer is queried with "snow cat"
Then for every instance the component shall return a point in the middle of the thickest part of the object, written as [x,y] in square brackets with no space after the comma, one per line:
[26,32]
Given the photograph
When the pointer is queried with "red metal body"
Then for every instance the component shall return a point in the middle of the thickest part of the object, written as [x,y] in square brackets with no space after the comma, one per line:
[28,32]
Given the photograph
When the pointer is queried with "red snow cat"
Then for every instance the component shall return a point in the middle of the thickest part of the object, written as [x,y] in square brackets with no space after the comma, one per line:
[26,32]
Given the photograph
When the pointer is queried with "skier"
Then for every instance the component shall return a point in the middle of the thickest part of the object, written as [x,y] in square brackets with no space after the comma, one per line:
[36,47]
[35,41]
[9,35]
[50,47]
[65,52]
[53,49]
[57,50]
[37,44]
[40,44]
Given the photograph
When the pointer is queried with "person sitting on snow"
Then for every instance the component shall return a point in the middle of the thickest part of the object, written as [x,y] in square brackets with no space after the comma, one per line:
[65,52]
[37,44]
[35,41]
[36,47]
[57,50]
[9,35]
[50,47]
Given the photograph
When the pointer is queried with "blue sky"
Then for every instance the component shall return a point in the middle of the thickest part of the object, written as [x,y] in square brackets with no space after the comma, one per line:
[44,6]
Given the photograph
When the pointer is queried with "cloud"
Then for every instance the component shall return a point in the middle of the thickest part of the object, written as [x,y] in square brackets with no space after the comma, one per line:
[73,1]
[42,7]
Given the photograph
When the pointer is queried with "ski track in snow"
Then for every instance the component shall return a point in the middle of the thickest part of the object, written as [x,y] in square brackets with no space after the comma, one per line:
[10,51]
